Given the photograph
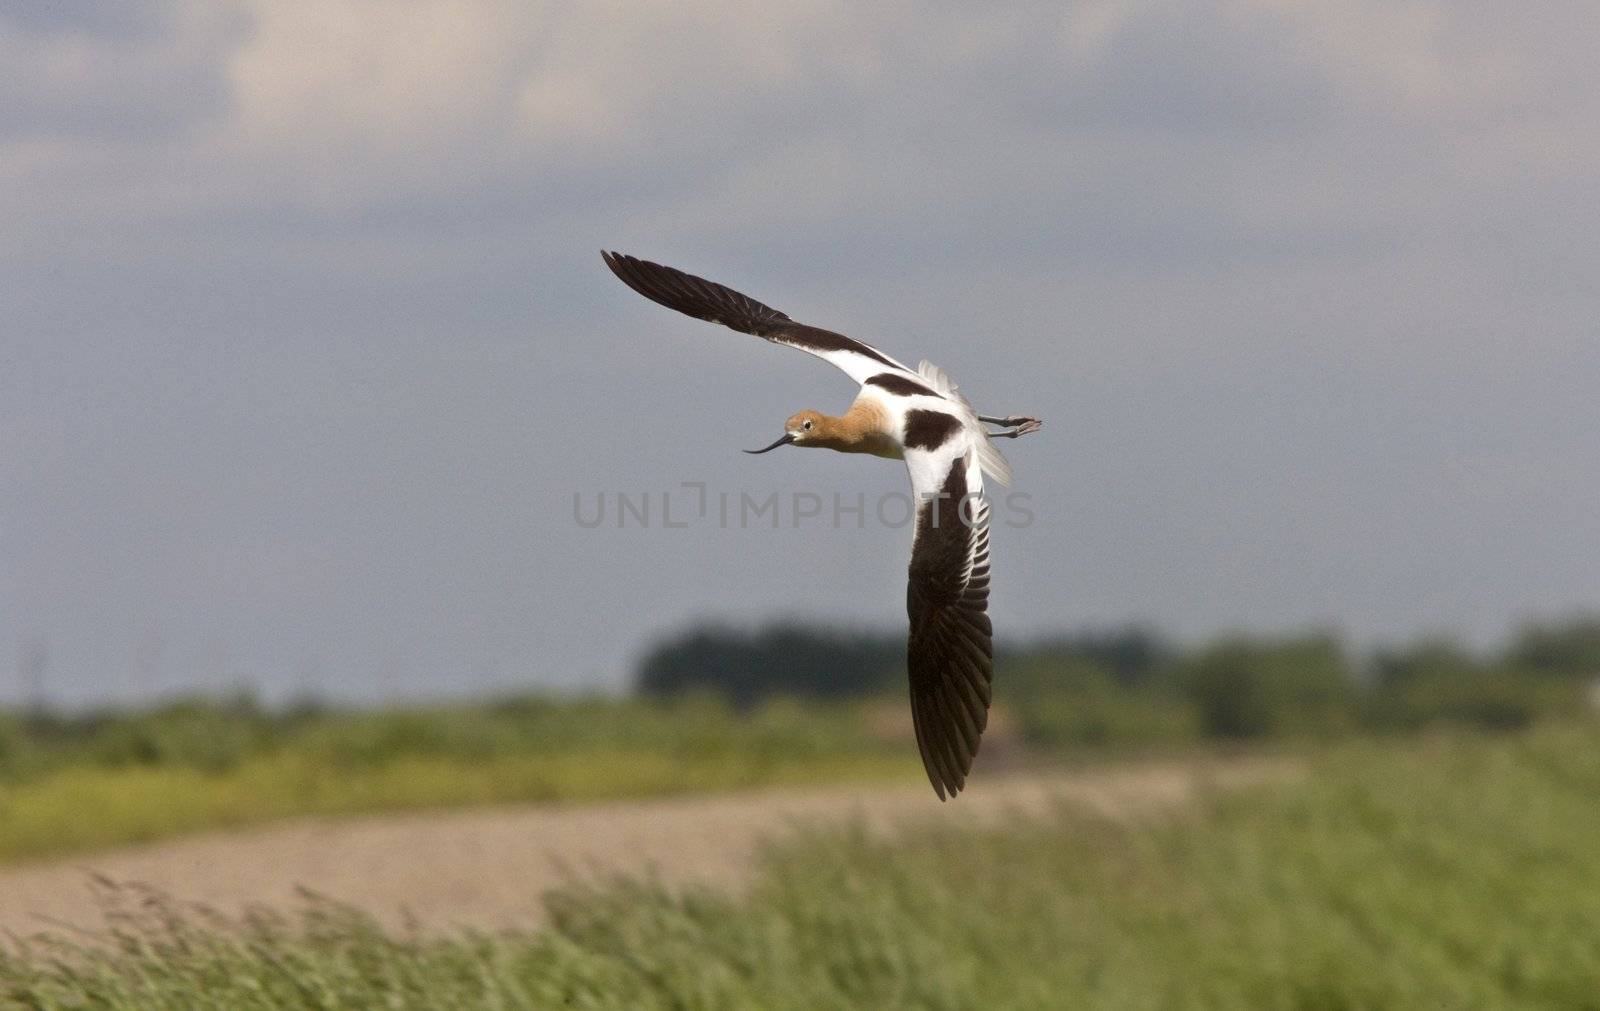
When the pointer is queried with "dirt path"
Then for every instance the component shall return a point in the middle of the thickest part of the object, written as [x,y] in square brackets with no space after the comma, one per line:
[488,867]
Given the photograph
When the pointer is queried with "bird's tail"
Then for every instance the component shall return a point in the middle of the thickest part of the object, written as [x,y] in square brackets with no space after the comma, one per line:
[990,458]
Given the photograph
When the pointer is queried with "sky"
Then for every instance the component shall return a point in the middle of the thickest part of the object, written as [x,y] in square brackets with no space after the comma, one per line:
[312,379]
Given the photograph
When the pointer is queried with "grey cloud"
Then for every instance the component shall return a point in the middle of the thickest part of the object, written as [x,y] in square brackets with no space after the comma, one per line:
[128,21]
[111,72]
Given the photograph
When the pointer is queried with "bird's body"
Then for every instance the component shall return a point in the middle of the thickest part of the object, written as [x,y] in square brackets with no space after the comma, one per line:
[917,416]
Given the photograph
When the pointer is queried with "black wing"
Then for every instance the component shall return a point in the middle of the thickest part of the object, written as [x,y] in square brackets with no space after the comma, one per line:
[949,653]
[715,303]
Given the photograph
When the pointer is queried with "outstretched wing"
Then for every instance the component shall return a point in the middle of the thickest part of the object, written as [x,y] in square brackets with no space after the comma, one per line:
[707,300]
[949,653]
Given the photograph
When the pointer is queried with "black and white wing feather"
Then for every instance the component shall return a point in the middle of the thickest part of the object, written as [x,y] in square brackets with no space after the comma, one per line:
[949,651]
[715,303]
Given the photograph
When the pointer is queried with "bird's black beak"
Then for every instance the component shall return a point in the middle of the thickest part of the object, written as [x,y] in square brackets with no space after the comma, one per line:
[787,438]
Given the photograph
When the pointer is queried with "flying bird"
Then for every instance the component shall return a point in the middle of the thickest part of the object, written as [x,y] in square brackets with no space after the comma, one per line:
[915,415]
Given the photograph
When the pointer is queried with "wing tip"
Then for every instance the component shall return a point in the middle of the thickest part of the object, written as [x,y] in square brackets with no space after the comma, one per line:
[641,275]
[946,763]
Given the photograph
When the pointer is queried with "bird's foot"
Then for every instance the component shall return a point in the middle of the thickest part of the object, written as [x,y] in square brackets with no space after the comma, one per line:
[1018,424]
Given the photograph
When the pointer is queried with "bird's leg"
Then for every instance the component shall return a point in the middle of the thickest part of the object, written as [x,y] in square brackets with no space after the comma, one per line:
[1018,423]
[1014,421]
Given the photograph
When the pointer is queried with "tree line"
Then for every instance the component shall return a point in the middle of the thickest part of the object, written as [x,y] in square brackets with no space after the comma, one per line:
[1138,684]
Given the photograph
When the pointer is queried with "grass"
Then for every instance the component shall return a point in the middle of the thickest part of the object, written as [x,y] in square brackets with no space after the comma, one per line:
[197,766]
[1457,871]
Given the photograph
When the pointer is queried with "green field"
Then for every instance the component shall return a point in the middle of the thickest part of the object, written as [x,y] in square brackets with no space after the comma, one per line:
[1455,870]
[203,765]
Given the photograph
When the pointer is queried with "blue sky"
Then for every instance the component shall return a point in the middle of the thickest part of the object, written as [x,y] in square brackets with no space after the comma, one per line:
[308,345]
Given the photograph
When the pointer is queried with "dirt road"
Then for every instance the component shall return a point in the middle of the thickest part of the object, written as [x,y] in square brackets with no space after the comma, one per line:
[488,867]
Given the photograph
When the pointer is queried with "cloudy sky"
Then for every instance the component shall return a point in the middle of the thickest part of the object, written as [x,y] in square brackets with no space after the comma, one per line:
[307,348]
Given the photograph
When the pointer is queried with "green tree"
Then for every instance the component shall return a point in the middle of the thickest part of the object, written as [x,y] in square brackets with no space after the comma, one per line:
[1249,687]
[783,660]
[1424,660]
[1561,649]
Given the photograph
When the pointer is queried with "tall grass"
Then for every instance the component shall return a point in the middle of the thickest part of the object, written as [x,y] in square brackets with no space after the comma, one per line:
[1459,871]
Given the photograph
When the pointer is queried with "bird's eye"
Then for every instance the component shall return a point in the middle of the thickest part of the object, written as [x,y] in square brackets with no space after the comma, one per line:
[806,426]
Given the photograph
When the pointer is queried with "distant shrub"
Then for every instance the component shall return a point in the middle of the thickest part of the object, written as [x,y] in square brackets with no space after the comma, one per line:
[1067,702]
[195,734]
[1560,649]
[1109,719]
[784,660]
[1488,700]
[1424,660]
[13,742]
[1130,656]
[1245,687]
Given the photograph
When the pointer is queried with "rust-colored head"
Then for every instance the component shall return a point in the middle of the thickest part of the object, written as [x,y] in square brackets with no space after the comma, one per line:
[800,430]
[806,426]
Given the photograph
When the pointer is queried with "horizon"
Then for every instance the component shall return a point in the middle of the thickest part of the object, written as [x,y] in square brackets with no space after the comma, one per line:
[1363,657]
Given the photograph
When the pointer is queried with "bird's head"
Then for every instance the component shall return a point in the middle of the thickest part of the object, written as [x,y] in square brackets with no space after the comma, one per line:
[800,430]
